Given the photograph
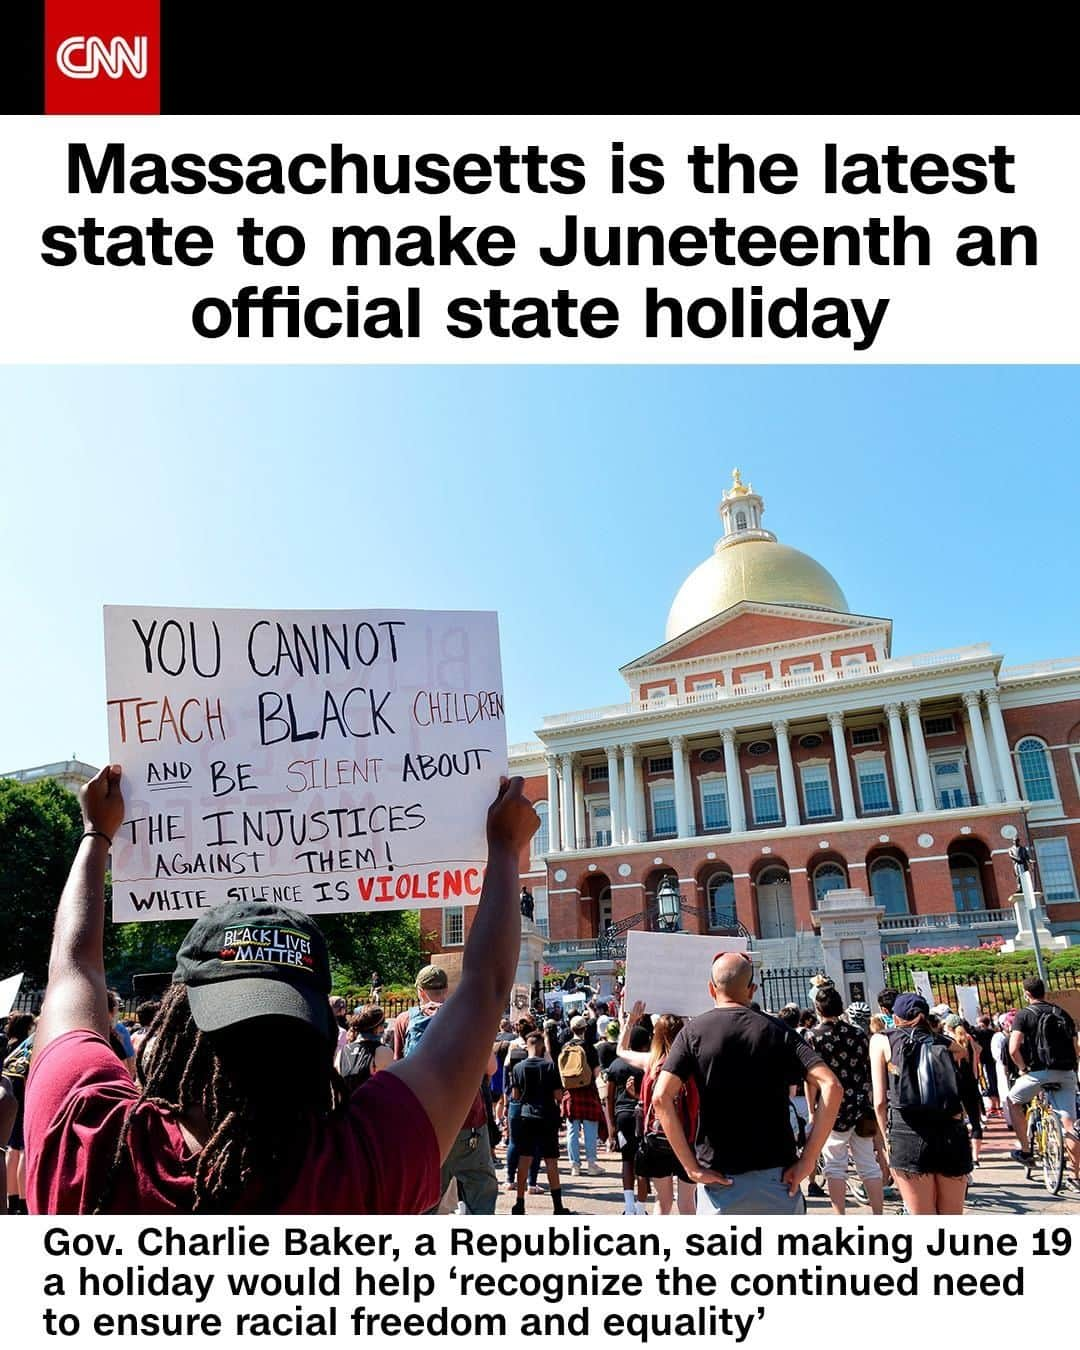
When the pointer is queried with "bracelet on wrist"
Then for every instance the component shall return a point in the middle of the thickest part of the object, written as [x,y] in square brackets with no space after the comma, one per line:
[97,834]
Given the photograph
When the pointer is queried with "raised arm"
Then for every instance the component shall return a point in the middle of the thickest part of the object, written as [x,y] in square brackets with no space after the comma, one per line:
[447,1066]
[879,1074]
[639,1059]
[76,997]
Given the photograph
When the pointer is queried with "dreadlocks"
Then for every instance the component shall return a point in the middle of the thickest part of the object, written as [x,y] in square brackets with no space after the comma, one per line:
[257,1136]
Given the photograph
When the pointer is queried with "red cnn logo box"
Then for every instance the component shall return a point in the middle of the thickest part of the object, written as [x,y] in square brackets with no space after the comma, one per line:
[102,58]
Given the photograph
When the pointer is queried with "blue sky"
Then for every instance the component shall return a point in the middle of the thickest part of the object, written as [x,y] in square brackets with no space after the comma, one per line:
[572,500]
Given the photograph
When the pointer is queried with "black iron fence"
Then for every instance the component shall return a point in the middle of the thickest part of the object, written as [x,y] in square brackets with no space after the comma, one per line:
[786,984]
[999,990]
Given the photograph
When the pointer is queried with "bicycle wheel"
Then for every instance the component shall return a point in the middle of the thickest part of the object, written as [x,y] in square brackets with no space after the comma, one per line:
[1053,1152]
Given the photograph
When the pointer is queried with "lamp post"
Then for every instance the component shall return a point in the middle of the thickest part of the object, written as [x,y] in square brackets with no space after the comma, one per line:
[669,903]
[1021,861]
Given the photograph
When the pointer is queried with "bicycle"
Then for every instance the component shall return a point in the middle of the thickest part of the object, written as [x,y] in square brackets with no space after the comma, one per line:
[1046,1140]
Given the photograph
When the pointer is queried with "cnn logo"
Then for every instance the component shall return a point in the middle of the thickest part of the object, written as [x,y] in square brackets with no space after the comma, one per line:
[85,58]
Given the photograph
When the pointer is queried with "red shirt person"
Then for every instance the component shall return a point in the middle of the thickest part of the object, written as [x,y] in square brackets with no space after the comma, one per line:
[239,1110]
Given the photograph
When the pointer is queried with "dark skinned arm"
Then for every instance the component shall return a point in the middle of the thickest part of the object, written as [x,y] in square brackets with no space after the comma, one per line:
[75,998]
[448,1064]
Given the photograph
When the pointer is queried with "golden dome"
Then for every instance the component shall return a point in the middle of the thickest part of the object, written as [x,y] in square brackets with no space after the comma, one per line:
[751,569]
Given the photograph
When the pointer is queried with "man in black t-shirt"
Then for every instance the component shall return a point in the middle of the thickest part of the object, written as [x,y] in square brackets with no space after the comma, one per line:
[537,1086]
[625,1086]
[1042,1045]
[744,1063]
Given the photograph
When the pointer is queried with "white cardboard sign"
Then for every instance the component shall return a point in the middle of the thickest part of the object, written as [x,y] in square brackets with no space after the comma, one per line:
[921,980]
[669,972]
[335,760]
[9,992]
[967,1000]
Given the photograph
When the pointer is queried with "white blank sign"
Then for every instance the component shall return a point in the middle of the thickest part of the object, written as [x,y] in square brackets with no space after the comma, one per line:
[669,972]
[9,992]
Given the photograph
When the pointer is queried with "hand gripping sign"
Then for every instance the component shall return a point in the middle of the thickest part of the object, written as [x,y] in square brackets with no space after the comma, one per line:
[337,760]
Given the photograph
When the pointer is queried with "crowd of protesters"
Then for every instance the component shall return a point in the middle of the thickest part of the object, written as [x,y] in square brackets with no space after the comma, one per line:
[739,1110]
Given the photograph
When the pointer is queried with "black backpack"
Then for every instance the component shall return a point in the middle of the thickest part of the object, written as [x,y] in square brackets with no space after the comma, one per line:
[1054,1046]
[928,1082]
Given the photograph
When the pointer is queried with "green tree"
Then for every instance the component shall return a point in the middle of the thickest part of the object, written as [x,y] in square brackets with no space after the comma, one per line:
[40,825]
[361,943]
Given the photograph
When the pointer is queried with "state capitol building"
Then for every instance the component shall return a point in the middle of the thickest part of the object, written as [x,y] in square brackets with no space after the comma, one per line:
[773,749]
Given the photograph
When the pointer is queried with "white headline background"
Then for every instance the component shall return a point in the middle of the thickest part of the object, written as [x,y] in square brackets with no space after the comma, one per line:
[942,313]
[851,1320]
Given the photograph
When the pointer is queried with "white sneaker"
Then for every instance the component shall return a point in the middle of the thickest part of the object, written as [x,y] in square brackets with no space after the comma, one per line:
[575,1170]
[639,1208]
[595,1170]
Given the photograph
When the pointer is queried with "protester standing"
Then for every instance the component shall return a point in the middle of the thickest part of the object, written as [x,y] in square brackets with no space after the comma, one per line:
[579,1066]
[928,1146]
[655,1158]
[537,1090]
[1043,1046]
[743,1063]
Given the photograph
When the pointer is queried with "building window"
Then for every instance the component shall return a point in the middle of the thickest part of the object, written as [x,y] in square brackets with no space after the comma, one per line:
[663,812]
[541,839]
[540,910]
[599,813]
[873,783]
[598,773]
[720,889]
[453,926]
[939,726]
[801,668]
[828,876]
[817,791]
[888,888]
[759,747]
[1035,771]
[1056,876]
[811,742]
[950,782]
[764,798]
[661,692]
[703,686]
[966,882]
[894,948]
[714,805]
[661,764]
[754,679]
[740,520]
[865,735]
[853,659]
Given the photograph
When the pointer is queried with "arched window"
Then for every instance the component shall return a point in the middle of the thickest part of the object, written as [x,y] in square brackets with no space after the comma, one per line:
[1035,771]
[540,840]
[966,882]
[720,889]
[828,876]
[740,520]
[887,885]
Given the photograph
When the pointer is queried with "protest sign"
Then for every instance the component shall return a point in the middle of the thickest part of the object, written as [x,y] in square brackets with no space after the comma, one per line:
[967,1000]
[332,760]
[669,972]
[921,980]
[9,992]
[519,1000]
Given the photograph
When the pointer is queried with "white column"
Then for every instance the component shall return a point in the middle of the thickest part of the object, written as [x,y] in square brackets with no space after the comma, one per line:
[569,836]
[554,833]
[900,766]
[614,795]
[787,773]
[736,809]
[972,703]
[922,762]
[580,823]
[843,766]
[633,800]
[1006,773]
[984,792]
[684,807]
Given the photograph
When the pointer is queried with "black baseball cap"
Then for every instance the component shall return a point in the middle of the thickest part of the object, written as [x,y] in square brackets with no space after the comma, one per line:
[254,959]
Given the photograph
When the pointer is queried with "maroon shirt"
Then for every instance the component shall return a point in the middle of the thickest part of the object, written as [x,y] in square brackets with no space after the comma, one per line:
[378,1156]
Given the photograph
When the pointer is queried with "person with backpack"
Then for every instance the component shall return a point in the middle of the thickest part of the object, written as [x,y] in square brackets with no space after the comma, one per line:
[579,1065]
[469,1162]
[1042,1045]
[364,1052]
[919,1110]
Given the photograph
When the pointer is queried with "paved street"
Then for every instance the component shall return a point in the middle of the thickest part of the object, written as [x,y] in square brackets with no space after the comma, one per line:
[998,1186]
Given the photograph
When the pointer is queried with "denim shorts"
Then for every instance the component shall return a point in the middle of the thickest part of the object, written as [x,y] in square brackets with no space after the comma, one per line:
[761,1192]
